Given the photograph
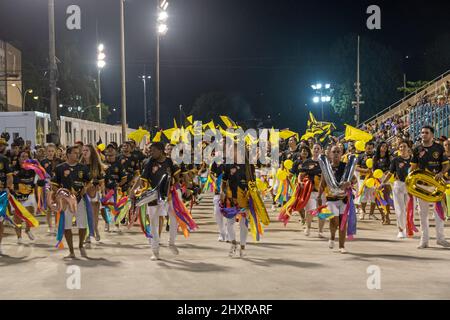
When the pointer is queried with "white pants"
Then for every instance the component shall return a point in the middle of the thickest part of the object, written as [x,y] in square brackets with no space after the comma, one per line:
[154,212]
[312,202]
[336,207]
[424,208]
[400,195]
[243,231]
[219,217]
[80,216]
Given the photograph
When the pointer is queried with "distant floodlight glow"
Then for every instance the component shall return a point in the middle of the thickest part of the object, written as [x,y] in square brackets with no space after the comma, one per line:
[165,5]
[101,56]
[323,99]
[101,47]
[318,86]
[162,28]
[163,16]
[316,99]
[101,64]
[327,86]
[314,87]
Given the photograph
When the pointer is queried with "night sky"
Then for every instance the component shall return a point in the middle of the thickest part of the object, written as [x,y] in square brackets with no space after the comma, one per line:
[264,50]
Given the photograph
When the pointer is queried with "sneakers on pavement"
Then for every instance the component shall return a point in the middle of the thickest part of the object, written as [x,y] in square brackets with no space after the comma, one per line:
[401,235]
[242,253]
[233,249]
[321,236]
[331,244]
[155,256]
[174,249]
[307,232]
[343,250]
[19,240]
[422,246]
[443,243]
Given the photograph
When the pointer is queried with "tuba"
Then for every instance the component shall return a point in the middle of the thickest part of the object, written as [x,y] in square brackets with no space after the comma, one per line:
[424,185]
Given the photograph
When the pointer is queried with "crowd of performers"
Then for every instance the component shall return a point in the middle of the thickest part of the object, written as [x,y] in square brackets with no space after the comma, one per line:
[336,183]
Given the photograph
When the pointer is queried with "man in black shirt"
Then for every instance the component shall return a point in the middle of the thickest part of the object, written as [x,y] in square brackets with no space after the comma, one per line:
[75,177]
[6,184]
[430,156]
[158,166]
[131,165]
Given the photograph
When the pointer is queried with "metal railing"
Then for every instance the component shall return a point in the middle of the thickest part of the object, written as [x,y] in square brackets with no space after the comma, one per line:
[434,115]
[411,95]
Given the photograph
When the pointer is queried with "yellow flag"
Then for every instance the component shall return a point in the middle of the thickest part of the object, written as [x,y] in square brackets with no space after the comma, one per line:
[211,126]
[228,122]
[190,119]
[157,137]
[354,134]
[286,134]
[175,123]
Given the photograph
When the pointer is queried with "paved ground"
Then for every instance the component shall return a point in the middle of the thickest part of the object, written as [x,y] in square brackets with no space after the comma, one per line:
[284,265]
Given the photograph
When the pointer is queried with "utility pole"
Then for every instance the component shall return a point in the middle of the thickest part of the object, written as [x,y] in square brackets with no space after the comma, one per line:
[122,56]
[358,95]
[157,77]
[52,59]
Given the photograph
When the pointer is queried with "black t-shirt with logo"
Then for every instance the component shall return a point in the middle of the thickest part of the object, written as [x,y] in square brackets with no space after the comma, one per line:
[131,166]
[400,167]
[5,170]
[155,170]
[23,183]
[361,162]
[114,175]
[431,158]
[236,177]
[382,163]
[312,169]
[50,165]
[73,178]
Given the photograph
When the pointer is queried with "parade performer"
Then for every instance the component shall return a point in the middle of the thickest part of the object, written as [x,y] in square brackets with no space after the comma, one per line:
[6,184]
[341,204]
[158,166]
[382,161]
[311,169]
[24,188]
[429,155]
[216,175]
[91,159]
[50,162]
[368,194]
[74,176]
[115,178]
[399,168]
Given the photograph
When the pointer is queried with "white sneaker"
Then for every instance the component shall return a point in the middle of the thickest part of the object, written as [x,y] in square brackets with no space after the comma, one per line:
[117,229]
[221,238]
[30,235]
[307,232]
[422,246]
[321,236]
[233,249]
[362,216]
[273,207]
[342,250]
[401,235]
[331,244]
[155,256]
[174,249]
[242,253]
[19,240]
[443,243]
[50,230]
[106,227]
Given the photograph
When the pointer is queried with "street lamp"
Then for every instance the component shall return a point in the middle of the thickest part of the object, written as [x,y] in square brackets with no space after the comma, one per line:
[323,94]
[144,80]
[23,94]
[161,31]
[100,65]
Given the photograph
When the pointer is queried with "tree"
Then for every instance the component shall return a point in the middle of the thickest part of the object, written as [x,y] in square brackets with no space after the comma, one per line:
[412,86]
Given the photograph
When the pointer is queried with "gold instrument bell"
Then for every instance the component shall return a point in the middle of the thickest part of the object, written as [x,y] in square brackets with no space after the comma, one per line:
[424,185]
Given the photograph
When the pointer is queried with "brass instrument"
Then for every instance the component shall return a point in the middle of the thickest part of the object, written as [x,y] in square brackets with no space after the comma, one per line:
[424,185]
